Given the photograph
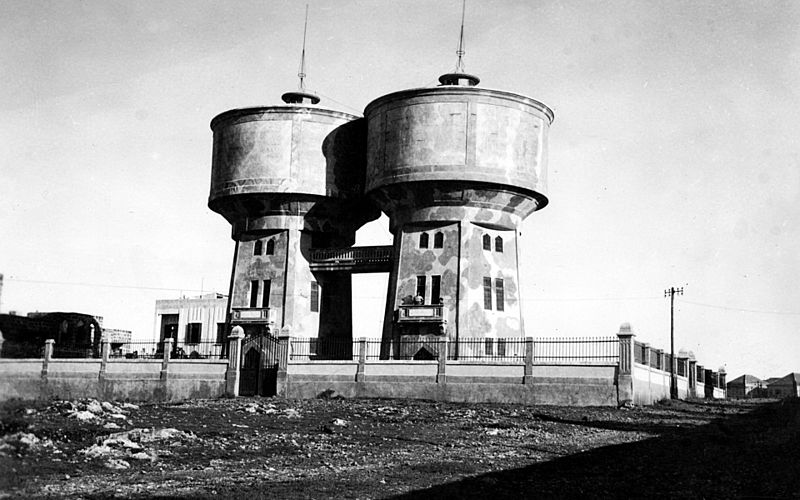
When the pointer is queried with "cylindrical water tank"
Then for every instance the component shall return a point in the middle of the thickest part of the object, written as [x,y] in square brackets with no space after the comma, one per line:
[468,141]
[287,160]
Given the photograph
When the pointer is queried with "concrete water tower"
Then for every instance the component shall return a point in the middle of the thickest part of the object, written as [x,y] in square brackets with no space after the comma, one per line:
[289,179]
[457,168]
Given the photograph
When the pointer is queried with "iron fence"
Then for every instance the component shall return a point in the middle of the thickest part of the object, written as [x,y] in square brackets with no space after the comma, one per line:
[311,349]
[66,351]
[21,350]
[639,351]
[581,350]
[502,350]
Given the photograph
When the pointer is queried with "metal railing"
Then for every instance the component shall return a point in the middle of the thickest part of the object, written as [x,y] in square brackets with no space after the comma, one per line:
[352,254]
[311,349]
[506,350]
[580,351]
[639,351]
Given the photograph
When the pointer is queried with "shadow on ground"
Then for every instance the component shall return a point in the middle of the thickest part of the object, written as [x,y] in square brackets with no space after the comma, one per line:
[750,455]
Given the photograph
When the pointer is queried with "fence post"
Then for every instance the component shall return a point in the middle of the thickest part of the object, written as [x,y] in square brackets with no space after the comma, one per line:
[692,374]
[722,385]
[683,366]
[49,345]
[441,374]
[105,352]
[362,358]
[234,357]
[165,361]
[284,345]
[527,377]
[625,375]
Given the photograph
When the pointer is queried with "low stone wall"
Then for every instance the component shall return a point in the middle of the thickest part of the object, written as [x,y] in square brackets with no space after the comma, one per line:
[459,381]
[651,385]
[111,379]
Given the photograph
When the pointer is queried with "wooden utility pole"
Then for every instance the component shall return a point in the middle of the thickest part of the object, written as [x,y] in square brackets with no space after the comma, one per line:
[673,383]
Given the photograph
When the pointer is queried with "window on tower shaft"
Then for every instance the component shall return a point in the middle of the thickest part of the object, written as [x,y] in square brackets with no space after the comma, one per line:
[270,246]
[499,292]
[257,247]
[423,240]
[487,293]
[487,242]
[419,298]
[436,289]
[438,240]
[498,244]
[254,293]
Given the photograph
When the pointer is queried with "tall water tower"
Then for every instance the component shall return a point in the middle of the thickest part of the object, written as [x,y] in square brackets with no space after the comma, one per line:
[289,179]
[457,168]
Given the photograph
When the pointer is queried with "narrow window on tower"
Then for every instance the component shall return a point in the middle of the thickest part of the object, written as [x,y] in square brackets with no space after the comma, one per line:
[270,246]
[423,240]
[254,293]
[265,293]
[257,247]
[487,293]
[438,240]
[498,244]
[487,242]
[314,296]
[436,289]
[499,294]
[419,298]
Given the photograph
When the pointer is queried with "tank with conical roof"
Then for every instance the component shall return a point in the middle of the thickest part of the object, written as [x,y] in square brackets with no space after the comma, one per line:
[289,178]
[457,168]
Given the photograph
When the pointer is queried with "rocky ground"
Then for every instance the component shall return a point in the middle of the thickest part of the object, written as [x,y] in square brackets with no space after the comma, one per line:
[336,448]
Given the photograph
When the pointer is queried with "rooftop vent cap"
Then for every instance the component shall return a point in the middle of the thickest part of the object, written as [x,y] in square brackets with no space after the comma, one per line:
[461,79]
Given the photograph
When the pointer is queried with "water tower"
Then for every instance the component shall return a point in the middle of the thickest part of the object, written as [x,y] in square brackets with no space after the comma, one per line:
[457,168]
[289,179]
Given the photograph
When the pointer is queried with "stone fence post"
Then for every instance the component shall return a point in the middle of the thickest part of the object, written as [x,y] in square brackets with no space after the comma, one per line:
[527,376]
[692,373]
[284,346]
[362,359]
[441,374]
[49,346]
[165,360]
[232,374]
[625,375]
[105,353]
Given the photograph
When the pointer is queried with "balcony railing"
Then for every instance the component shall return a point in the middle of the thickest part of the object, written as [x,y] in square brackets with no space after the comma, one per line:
[250,315]
[424,313]
[353,258]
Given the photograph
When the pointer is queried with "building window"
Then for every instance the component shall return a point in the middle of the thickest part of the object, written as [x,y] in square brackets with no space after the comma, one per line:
[438,240]
[489,347]
[169,326]
[436,289]
[265,293]
[270,246]
[314,296]
[257,247]
[501,347]
[499,294]
[423,240]
[487,242]
[193,331]
[220,333]
[254,293]
[487,293]
[498,244]
[419,298]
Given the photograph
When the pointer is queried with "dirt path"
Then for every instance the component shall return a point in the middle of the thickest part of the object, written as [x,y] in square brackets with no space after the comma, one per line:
[272,448]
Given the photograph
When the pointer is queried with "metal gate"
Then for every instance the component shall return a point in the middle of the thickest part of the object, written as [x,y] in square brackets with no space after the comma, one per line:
[259,372]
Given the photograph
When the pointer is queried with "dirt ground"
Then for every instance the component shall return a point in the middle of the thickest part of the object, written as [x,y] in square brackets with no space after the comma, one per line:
[337,448]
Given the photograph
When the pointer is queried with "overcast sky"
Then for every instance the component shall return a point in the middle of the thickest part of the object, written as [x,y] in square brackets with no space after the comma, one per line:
[674,158]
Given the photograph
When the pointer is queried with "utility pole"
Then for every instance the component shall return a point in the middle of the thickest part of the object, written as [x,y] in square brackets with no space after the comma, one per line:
[673,383]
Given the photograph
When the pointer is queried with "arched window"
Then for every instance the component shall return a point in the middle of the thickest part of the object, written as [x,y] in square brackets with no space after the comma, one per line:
[257,247]
[438,240]
[423,240]
[270,246]
[498,244]
[487,242]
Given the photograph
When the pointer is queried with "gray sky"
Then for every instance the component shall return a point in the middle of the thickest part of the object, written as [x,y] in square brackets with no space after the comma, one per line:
[673,156]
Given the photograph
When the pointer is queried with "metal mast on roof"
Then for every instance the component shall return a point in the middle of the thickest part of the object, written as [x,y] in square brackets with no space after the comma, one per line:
[459,77]
[301,96]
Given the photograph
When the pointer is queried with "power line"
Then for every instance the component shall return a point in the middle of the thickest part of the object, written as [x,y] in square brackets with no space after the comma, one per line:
[97,285]
[740,309]
[589,299]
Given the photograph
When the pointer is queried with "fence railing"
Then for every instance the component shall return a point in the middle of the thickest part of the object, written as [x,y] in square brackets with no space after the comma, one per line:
[583,351]
[310,349]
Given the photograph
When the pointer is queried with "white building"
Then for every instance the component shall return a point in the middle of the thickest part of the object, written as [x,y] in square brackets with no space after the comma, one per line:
[196,324]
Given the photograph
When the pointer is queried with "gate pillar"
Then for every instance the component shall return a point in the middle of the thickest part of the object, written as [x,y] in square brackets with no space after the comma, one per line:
[234,361]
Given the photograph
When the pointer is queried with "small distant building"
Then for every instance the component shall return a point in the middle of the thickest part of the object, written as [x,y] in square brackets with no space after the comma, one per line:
[120,340]
[785,387]
[746,386]
[196,324]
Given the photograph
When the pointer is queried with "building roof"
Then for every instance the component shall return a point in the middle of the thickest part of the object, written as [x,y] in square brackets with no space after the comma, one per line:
[788,379]
[745,380]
